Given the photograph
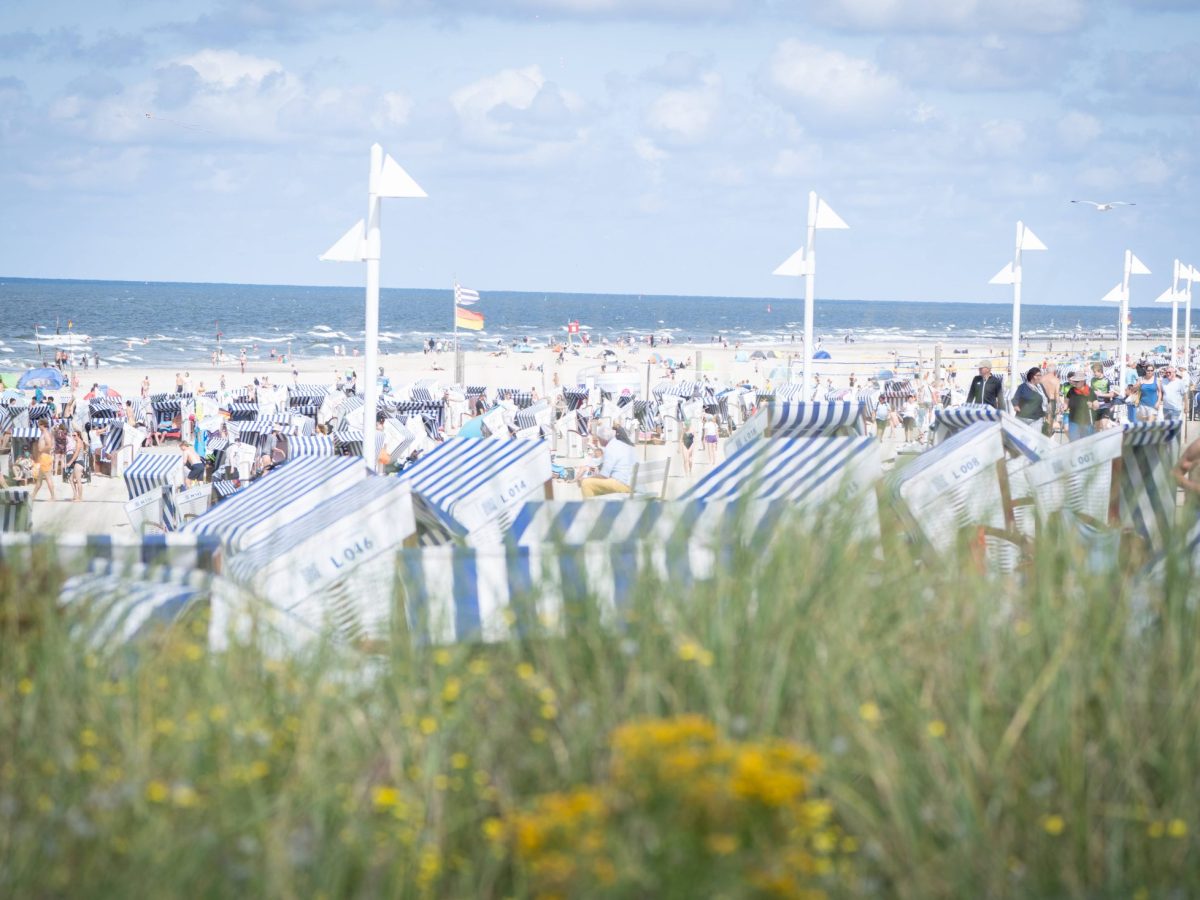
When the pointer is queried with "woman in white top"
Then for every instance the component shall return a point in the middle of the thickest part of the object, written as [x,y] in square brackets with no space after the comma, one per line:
[710,439]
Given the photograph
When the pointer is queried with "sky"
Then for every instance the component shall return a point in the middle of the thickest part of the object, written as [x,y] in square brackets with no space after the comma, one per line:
[615,146]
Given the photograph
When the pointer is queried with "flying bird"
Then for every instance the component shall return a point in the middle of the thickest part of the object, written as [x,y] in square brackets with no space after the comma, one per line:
[1105,207]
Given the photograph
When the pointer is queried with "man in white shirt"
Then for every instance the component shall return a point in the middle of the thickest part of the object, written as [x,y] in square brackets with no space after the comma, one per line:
[1174,396]
[616,467]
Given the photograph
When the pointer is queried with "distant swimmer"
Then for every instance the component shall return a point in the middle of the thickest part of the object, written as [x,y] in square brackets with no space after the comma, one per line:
[1105,207]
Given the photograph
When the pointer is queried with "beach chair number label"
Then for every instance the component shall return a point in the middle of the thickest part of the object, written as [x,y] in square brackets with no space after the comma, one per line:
[351,553]
[515,491]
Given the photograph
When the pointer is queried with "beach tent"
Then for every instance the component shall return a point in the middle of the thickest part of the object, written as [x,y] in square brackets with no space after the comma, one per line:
[153,470]
[115,605]
[471,488]
[822,354]
[73,552]
[16,511]
[279,497]
[471,428]
[46,379]
[959,484]
[309,445]
[800,419]
[369,518]
[741,356]
[1119,476]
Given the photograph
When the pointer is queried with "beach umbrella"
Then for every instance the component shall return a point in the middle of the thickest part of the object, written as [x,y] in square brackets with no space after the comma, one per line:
[362,244]
[804,262]
[103,390]
[885,375]
[1011,274]
[822,354]
[51,379]
[472,428]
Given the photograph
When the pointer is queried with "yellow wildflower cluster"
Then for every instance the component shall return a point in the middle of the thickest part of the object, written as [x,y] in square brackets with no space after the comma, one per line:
[721,811]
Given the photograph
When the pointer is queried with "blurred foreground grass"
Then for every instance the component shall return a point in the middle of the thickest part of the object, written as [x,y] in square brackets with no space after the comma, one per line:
[825,720]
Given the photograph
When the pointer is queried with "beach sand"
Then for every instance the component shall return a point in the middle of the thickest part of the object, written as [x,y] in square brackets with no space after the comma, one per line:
[102,510]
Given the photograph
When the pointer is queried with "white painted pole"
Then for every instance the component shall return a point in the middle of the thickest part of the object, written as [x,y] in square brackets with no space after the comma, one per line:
[1016,315]
[372,253]
[1124,323]
[809,289]
[1187,328]
[1174,312]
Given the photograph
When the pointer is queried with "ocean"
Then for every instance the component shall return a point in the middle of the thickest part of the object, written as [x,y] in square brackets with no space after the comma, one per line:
[144,324]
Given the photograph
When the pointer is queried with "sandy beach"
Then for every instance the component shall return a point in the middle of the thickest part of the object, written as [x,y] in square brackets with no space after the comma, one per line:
[102,510]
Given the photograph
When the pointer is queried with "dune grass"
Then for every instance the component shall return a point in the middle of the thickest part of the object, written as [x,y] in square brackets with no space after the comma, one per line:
[976,736]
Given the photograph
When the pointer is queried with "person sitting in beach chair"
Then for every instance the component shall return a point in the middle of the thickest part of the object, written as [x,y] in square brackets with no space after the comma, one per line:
[616,466]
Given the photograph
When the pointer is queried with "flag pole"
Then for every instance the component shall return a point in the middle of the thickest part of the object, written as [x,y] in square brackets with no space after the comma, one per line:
[454,309]
[1016,315]
[809,292]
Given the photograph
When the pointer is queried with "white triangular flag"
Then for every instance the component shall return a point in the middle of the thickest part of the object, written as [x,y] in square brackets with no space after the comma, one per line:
[1168,296]
[1004,276]
[1030,241]
[349,247]
[795,265]
[827,218]
[1193,274]
[395,182]
[1116,295]
[1136,266]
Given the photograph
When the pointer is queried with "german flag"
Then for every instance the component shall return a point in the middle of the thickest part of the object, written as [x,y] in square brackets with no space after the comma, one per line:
[465,318]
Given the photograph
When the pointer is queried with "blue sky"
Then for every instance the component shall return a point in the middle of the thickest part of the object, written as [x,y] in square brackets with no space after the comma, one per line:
[630,146]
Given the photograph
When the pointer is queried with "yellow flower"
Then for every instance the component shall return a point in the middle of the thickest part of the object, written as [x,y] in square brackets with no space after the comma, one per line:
[442,657]
[480,778]
[494,830]
[440,782]
[688,651]
[429,867]
[88,738]
[385,797]
[185,796]
[451,689]
[25,686]
[936,728]
[869,712]
[194,652]
[537,735]
[1177,828]
[722,844]
[1156,829]
[705,658]
[88,762]
[524,671]
[478,667]
[218,714]
[164,726]
[157,792]
[549,711]
[460,760]
[428,725]
[547,695]
[1053,825]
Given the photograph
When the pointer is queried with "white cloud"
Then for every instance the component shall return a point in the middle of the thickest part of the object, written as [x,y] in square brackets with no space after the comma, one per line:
[832,86]
[648,151]
[687,114]
[519,111]
[229,69]
[1000,137]
[1037,16]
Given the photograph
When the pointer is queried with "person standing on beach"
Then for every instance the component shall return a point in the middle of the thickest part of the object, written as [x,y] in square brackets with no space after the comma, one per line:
[44,464]
[986,388]
[1030,400]
[1081,408]
[146,388]
[76,463]
[242,360]
[687,439]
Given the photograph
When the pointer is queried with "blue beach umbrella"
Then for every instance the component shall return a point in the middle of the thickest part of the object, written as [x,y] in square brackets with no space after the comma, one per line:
[822,354]
[46,379]
[885,375]
[472,428]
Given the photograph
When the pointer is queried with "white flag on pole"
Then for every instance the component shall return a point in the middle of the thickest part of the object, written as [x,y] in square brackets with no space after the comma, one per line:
[1004,276]
[1116,295]
[1168,296]
[1030,241]
[1191,273]
[465,296]
[795,265]
[1136,266]
[349,247]
[827,218]
[395,182]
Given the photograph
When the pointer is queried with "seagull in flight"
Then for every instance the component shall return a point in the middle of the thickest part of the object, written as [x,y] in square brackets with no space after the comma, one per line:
[1105,207]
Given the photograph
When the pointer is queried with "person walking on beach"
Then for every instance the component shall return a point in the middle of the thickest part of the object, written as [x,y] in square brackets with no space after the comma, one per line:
[1150,395]
[76,463]
[1174,395]
[687,439]
[43,472]
[60,451]
[1030,399]
[242,360]
[711,432]
[146,388]
[986,388]
[1081,408]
